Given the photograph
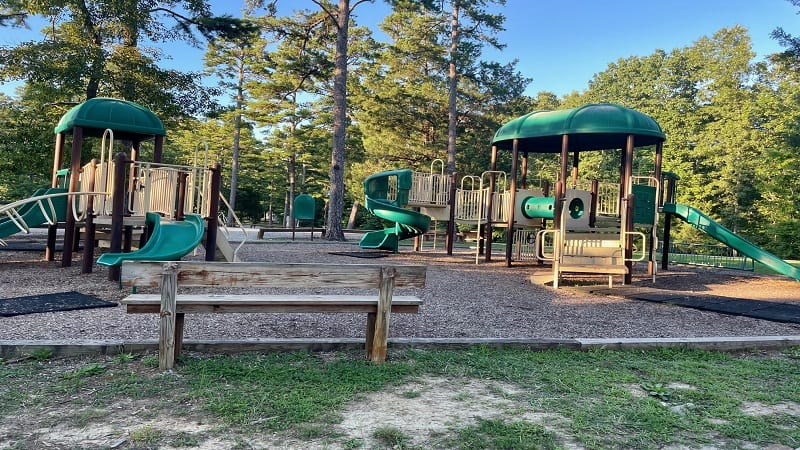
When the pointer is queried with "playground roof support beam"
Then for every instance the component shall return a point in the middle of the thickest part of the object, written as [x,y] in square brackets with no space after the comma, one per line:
[74,176]
[512,202]
[628,195]
[562,179]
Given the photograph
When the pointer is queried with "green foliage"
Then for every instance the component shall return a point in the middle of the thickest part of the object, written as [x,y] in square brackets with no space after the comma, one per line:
[391,437]
[657,390]
[85,371]
[145,436]
[41,354]
[494,433]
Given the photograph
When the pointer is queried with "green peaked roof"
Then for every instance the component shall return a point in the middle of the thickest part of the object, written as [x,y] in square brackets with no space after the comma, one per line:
[597,126]
[127,119]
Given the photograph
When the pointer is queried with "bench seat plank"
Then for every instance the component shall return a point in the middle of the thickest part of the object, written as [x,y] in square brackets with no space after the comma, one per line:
[254,303]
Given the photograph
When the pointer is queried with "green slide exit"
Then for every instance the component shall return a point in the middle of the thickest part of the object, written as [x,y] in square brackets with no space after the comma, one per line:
[707,225]
[169,241]
[408,223]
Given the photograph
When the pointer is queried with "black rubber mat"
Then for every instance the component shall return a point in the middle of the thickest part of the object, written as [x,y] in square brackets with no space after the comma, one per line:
[760,309]
[62,301]
[362,254]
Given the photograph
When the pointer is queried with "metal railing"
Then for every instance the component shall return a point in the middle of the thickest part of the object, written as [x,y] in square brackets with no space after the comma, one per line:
[710,255]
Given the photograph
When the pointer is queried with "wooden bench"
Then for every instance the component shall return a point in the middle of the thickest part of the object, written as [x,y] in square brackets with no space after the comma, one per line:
[172,306]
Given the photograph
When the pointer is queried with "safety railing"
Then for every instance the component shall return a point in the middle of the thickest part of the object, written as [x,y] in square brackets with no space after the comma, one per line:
[430,188]
[156,189]
[607,196]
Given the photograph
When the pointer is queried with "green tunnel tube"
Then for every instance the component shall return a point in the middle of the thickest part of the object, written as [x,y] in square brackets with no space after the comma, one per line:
[539,207]
[544,208]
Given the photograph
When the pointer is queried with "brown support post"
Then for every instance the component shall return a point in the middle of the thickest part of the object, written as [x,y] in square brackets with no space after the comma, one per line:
[89,228]
[75,170]
[562,178]
[628,171]
[594,198]
[117,211]
[213,213]
[512,202]
[575,160]
[179,211]
[669,192]
[451,223]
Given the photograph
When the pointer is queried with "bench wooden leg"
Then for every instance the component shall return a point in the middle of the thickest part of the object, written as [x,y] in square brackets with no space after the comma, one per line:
[178,335]
[370,334]
[167,329]
[381,325]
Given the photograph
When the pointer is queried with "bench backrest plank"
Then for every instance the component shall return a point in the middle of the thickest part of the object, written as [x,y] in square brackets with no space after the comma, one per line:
[288,275]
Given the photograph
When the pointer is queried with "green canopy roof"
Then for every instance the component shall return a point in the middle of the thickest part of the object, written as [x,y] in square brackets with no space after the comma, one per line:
[598,126]
[128,120]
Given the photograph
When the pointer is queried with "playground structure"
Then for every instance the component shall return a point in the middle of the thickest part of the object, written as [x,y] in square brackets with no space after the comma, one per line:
[584,227]
[120,193]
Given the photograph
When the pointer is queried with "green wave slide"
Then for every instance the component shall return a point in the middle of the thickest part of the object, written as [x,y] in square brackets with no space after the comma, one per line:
[408,223]
[30,212]
[169,241]
[707,225]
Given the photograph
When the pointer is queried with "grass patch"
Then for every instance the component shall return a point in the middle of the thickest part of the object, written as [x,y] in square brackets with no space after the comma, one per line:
[594,399]
[497,434]
[392,437]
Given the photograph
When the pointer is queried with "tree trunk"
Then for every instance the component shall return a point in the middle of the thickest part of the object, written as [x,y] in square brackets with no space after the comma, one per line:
[452,114]
[237,133]
[336,202]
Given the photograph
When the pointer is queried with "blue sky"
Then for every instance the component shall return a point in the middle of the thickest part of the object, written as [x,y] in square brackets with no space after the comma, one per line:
[562,44]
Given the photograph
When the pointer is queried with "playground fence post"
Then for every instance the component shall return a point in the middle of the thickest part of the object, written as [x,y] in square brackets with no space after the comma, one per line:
[117,211]
[451,222]
[213,212]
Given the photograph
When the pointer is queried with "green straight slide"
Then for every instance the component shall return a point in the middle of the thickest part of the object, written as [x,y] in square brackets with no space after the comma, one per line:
[408,223]
[707,225]
[169,241]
